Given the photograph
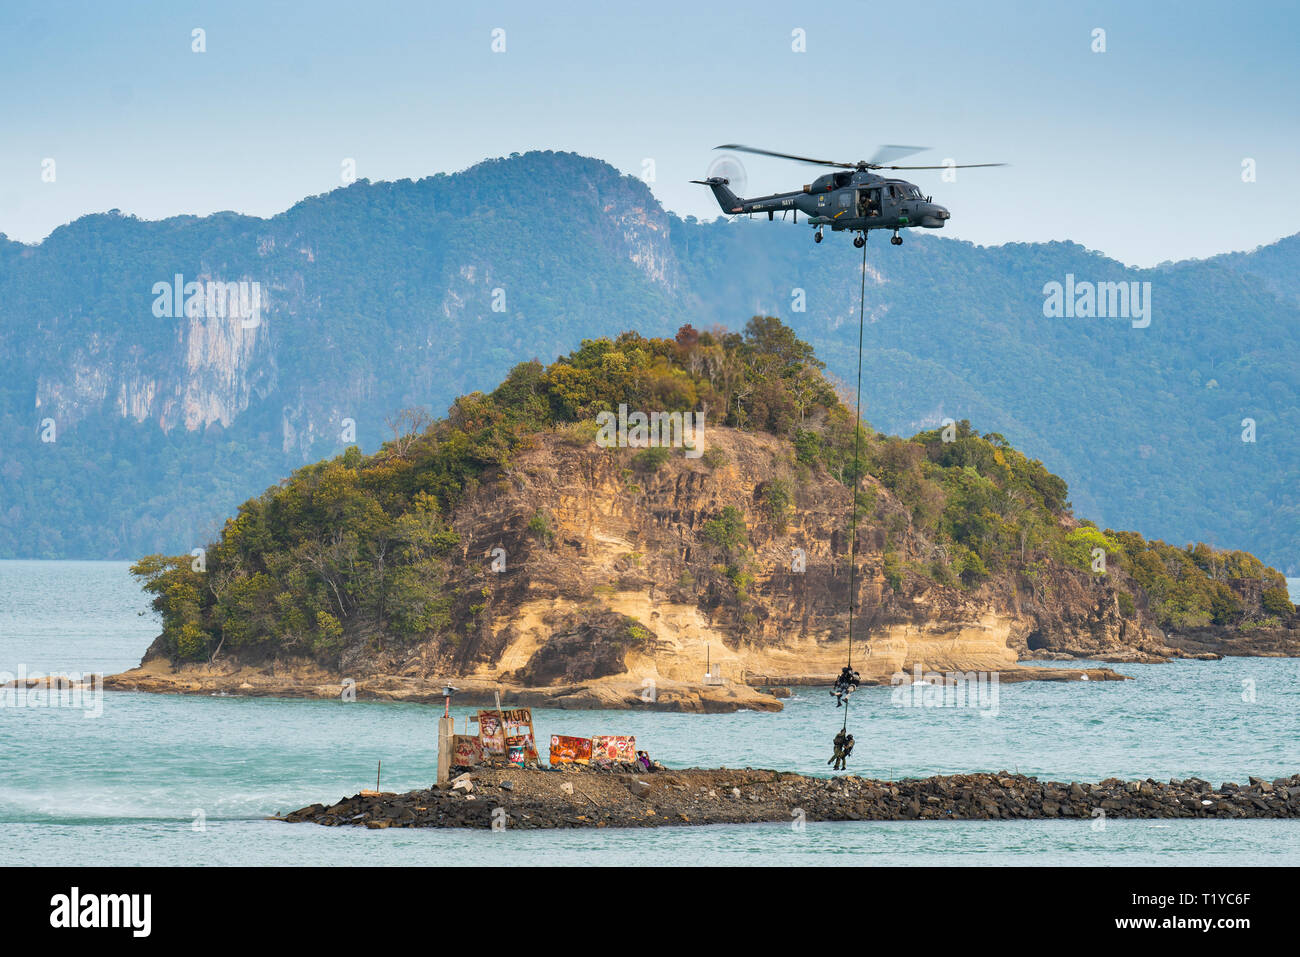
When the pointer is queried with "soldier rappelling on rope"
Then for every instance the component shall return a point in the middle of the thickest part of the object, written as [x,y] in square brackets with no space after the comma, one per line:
[843,748]
[845,685]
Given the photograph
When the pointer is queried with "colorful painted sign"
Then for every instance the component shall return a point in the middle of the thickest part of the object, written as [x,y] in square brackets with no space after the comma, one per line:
[466,750]
[519,731]
[491,733]
[498,731]
[570,750]
[620,748]
[524,741]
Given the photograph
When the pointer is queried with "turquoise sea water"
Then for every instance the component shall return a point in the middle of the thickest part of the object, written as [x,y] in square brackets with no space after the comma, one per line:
[159,779]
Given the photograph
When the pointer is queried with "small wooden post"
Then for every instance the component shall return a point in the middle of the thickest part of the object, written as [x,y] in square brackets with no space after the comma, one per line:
[377,770]
[501,717]
[446,734]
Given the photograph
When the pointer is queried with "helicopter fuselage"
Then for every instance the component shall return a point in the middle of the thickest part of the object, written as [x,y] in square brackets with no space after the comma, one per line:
[853,200]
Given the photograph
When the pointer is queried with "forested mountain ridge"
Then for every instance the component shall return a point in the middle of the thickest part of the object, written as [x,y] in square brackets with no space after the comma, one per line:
[382,296]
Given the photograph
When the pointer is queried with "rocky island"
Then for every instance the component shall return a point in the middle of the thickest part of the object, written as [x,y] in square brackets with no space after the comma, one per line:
[512,548]
[535,798]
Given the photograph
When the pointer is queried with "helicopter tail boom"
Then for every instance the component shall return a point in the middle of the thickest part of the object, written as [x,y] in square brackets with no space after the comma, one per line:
[729,201]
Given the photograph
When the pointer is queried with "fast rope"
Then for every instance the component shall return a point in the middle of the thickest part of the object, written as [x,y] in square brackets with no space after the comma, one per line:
[857,450]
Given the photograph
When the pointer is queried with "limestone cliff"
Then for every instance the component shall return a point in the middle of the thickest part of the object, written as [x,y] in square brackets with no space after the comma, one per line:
[628,543]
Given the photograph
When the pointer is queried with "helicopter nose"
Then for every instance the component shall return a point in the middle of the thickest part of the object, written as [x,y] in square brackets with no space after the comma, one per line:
[934,216]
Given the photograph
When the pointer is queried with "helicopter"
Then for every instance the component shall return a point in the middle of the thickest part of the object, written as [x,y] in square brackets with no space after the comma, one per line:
[854,199]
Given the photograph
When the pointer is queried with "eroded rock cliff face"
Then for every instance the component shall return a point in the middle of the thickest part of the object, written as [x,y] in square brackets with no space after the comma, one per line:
[593,577]
[590,542]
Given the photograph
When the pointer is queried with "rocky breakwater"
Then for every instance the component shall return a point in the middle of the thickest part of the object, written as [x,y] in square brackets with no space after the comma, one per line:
[538,798]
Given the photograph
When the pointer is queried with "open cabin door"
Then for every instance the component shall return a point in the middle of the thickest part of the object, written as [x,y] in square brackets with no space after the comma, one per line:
[869,202]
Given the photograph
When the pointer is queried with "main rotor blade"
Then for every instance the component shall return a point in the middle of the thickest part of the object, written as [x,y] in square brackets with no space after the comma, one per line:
[790,156]
[944,166]
[886,154]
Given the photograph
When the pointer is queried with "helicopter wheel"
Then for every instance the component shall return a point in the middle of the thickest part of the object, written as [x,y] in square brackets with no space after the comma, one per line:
[860,241]
[896,239]
[817,236]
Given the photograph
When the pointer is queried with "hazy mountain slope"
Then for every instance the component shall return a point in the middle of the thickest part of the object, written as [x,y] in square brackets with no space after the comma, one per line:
[1276,265]
[376,297]
[380,296]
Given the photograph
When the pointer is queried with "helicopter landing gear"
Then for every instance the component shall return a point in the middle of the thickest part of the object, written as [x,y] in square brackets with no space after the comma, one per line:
[817,236]
[860,241]
[896,239]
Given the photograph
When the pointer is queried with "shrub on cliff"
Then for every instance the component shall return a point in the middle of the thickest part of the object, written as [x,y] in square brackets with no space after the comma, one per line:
[1191,587]
[539,526]
[652,459]
[178,591]
[1276,601]
[727,530]
[776,499]
[1088,549]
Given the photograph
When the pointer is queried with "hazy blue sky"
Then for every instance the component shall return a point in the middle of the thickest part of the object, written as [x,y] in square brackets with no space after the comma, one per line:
[1136,151]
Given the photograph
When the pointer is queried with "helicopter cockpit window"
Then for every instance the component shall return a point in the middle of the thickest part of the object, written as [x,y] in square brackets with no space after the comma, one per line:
[903,191]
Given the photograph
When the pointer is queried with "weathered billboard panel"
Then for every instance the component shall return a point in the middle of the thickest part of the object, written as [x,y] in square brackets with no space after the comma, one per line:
[620,748]
[491,733]
[519,732]
[466,750]
[570,750]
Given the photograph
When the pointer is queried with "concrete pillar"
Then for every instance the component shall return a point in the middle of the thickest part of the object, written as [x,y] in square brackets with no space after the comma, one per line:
[446,734]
